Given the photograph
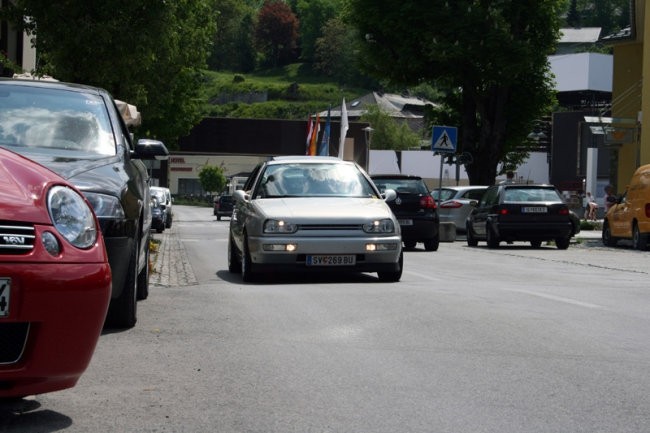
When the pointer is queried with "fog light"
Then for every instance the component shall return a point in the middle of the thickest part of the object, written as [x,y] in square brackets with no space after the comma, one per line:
[279,247]
[51,244]
[381,247]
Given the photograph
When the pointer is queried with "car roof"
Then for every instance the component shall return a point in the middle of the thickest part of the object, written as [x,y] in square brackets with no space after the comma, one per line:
[306,159]
[50,85]
[465,187]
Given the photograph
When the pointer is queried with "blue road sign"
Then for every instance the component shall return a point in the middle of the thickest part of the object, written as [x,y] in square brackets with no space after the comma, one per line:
[444,139]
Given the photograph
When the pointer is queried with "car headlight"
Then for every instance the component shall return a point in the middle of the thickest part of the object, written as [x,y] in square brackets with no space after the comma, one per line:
[72,217]
[380,226]
[105,206]
[279,226]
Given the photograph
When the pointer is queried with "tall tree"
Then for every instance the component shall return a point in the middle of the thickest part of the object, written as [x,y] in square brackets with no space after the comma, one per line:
[148,52]
[233,42]
[493,52]
[313,14]
[276,32]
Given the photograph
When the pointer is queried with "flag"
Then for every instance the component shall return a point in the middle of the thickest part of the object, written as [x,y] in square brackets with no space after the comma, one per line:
[314,136]
[324,148]
[344,128]
[310,128]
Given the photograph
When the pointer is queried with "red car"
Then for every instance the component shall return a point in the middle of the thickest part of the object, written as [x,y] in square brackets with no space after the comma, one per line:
[55,280]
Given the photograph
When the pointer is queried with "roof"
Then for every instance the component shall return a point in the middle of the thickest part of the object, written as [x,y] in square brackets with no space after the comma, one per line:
[585,35]
[402,106]
[582,71]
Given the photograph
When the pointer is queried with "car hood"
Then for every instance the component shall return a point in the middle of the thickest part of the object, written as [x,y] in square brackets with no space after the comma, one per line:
[24,188]
[103,175]
[341,209]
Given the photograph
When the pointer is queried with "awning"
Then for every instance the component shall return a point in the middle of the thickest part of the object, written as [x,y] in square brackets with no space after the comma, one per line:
[129,113]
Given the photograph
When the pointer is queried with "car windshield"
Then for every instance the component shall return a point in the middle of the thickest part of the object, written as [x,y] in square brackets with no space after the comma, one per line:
[531,194]
[38,119]
[402,186]
[313,179]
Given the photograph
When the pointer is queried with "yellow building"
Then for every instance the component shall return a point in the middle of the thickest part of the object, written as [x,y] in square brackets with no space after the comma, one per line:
[631,92]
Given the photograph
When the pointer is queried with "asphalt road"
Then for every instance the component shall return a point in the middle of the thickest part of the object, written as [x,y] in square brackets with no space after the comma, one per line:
[471,340]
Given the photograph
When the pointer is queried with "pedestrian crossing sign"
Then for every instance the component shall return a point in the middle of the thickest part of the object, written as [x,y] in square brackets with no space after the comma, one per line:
[444,139]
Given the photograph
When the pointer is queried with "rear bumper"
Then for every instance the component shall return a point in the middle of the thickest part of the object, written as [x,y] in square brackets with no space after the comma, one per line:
[533,231]
[420,230]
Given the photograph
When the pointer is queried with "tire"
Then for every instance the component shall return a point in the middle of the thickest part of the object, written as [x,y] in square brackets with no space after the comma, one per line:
[608,239]
[432,244]
[491,238]
[639,241]
[143,276]
[409,245]
[562,243]
[247,273]
[234,265]
[160,229]
[168,224]
[535,244]
[471,240]
[218,217]
[393,276]
[122,311]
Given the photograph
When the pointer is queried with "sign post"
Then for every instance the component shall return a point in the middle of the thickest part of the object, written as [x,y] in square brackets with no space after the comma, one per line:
[443,140]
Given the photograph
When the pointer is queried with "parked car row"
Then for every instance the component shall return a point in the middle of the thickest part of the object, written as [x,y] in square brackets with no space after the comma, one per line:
[161,208]
[76,203]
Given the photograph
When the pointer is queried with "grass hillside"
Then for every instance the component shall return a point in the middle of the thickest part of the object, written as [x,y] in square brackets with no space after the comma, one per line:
[290,92]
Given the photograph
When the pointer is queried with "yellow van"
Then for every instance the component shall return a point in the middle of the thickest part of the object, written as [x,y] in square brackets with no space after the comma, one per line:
[629,217]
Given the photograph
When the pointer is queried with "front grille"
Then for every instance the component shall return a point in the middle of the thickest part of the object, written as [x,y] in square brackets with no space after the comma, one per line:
[16,238]
[13,337]
[330,227]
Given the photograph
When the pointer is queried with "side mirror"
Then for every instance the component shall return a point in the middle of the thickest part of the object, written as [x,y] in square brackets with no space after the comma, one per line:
[389,195]
[150,149]
[240,195]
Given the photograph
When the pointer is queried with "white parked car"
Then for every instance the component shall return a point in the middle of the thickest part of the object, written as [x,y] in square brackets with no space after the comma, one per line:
[164,197]
[454,205]
[308,213]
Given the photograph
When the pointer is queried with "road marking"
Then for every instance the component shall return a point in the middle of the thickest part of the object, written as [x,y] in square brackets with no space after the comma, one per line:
[558,299]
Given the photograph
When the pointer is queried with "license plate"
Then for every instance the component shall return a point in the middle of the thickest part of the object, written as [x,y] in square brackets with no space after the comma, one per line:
[534,209]
[5,291]
[405,222]
[327,260]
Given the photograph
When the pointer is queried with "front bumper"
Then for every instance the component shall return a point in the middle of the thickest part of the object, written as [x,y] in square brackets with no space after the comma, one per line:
[365,260]
[56,315]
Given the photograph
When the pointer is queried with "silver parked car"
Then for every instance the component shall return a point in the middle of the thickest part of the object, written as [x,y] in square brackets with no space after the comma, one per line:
[309,213]
[455,204]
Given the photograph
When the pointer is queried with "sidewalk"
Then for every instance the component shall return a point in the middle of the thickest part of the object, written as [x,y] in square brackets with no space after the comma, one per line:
[171,266]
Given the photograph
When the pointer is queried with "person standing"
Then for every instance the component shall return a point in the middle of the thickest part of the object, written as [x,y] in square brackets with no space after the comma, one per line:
[610,197]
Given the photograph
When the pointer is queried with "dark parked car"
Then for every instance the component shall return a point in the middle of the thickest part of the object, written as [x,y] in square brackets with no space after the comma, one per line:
[513,212]
[414,208]
[55,280]
[77,132]
[223,206]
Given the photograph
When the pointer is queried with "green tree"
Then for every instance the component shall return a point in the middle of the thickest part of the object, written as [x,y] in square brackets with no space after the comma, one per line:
[313,14]
[388,133]
[147,52]
[334,51]
[212,179]
[276,33]
[492,56]
[233,48]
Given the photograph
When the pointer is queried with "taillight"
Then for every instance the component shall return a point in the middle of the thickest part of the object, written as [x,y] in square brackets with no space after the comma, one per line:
[427,202]
[564,211]
[453,204]
[503,211]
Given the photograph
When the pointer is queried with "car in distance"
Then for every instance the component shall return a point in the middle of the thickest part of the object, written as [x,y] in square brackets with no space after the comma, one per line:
[78,132]
[414,208]
[313,213]
[454,203]
[520,212]
[55,280]
[223,206]
[158,215]
[629,217]
[164,197]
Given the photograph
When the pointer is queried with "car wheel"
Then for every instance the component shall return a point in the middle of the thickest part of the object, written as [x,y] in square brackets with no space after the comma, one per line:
[160,228]
[535,244]
[169,222]
[409,245]
[432,244]
[471,239]
[218,217]
[234,265]
[143,276]
[122,311]
[639,241]
[492,239]
[608,239]
[562,243]
[246,263]
[393,276]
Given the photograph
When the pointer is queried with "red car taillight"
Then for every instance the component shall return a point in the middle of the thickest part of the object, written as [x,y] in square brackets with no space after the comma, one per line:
[504,211]
[427,202]
[564,211]
[453,204]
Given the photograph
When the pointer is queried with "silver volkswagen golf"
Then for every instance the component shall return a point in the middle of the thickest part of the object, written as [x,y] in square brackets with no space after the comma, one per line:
[308,213]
